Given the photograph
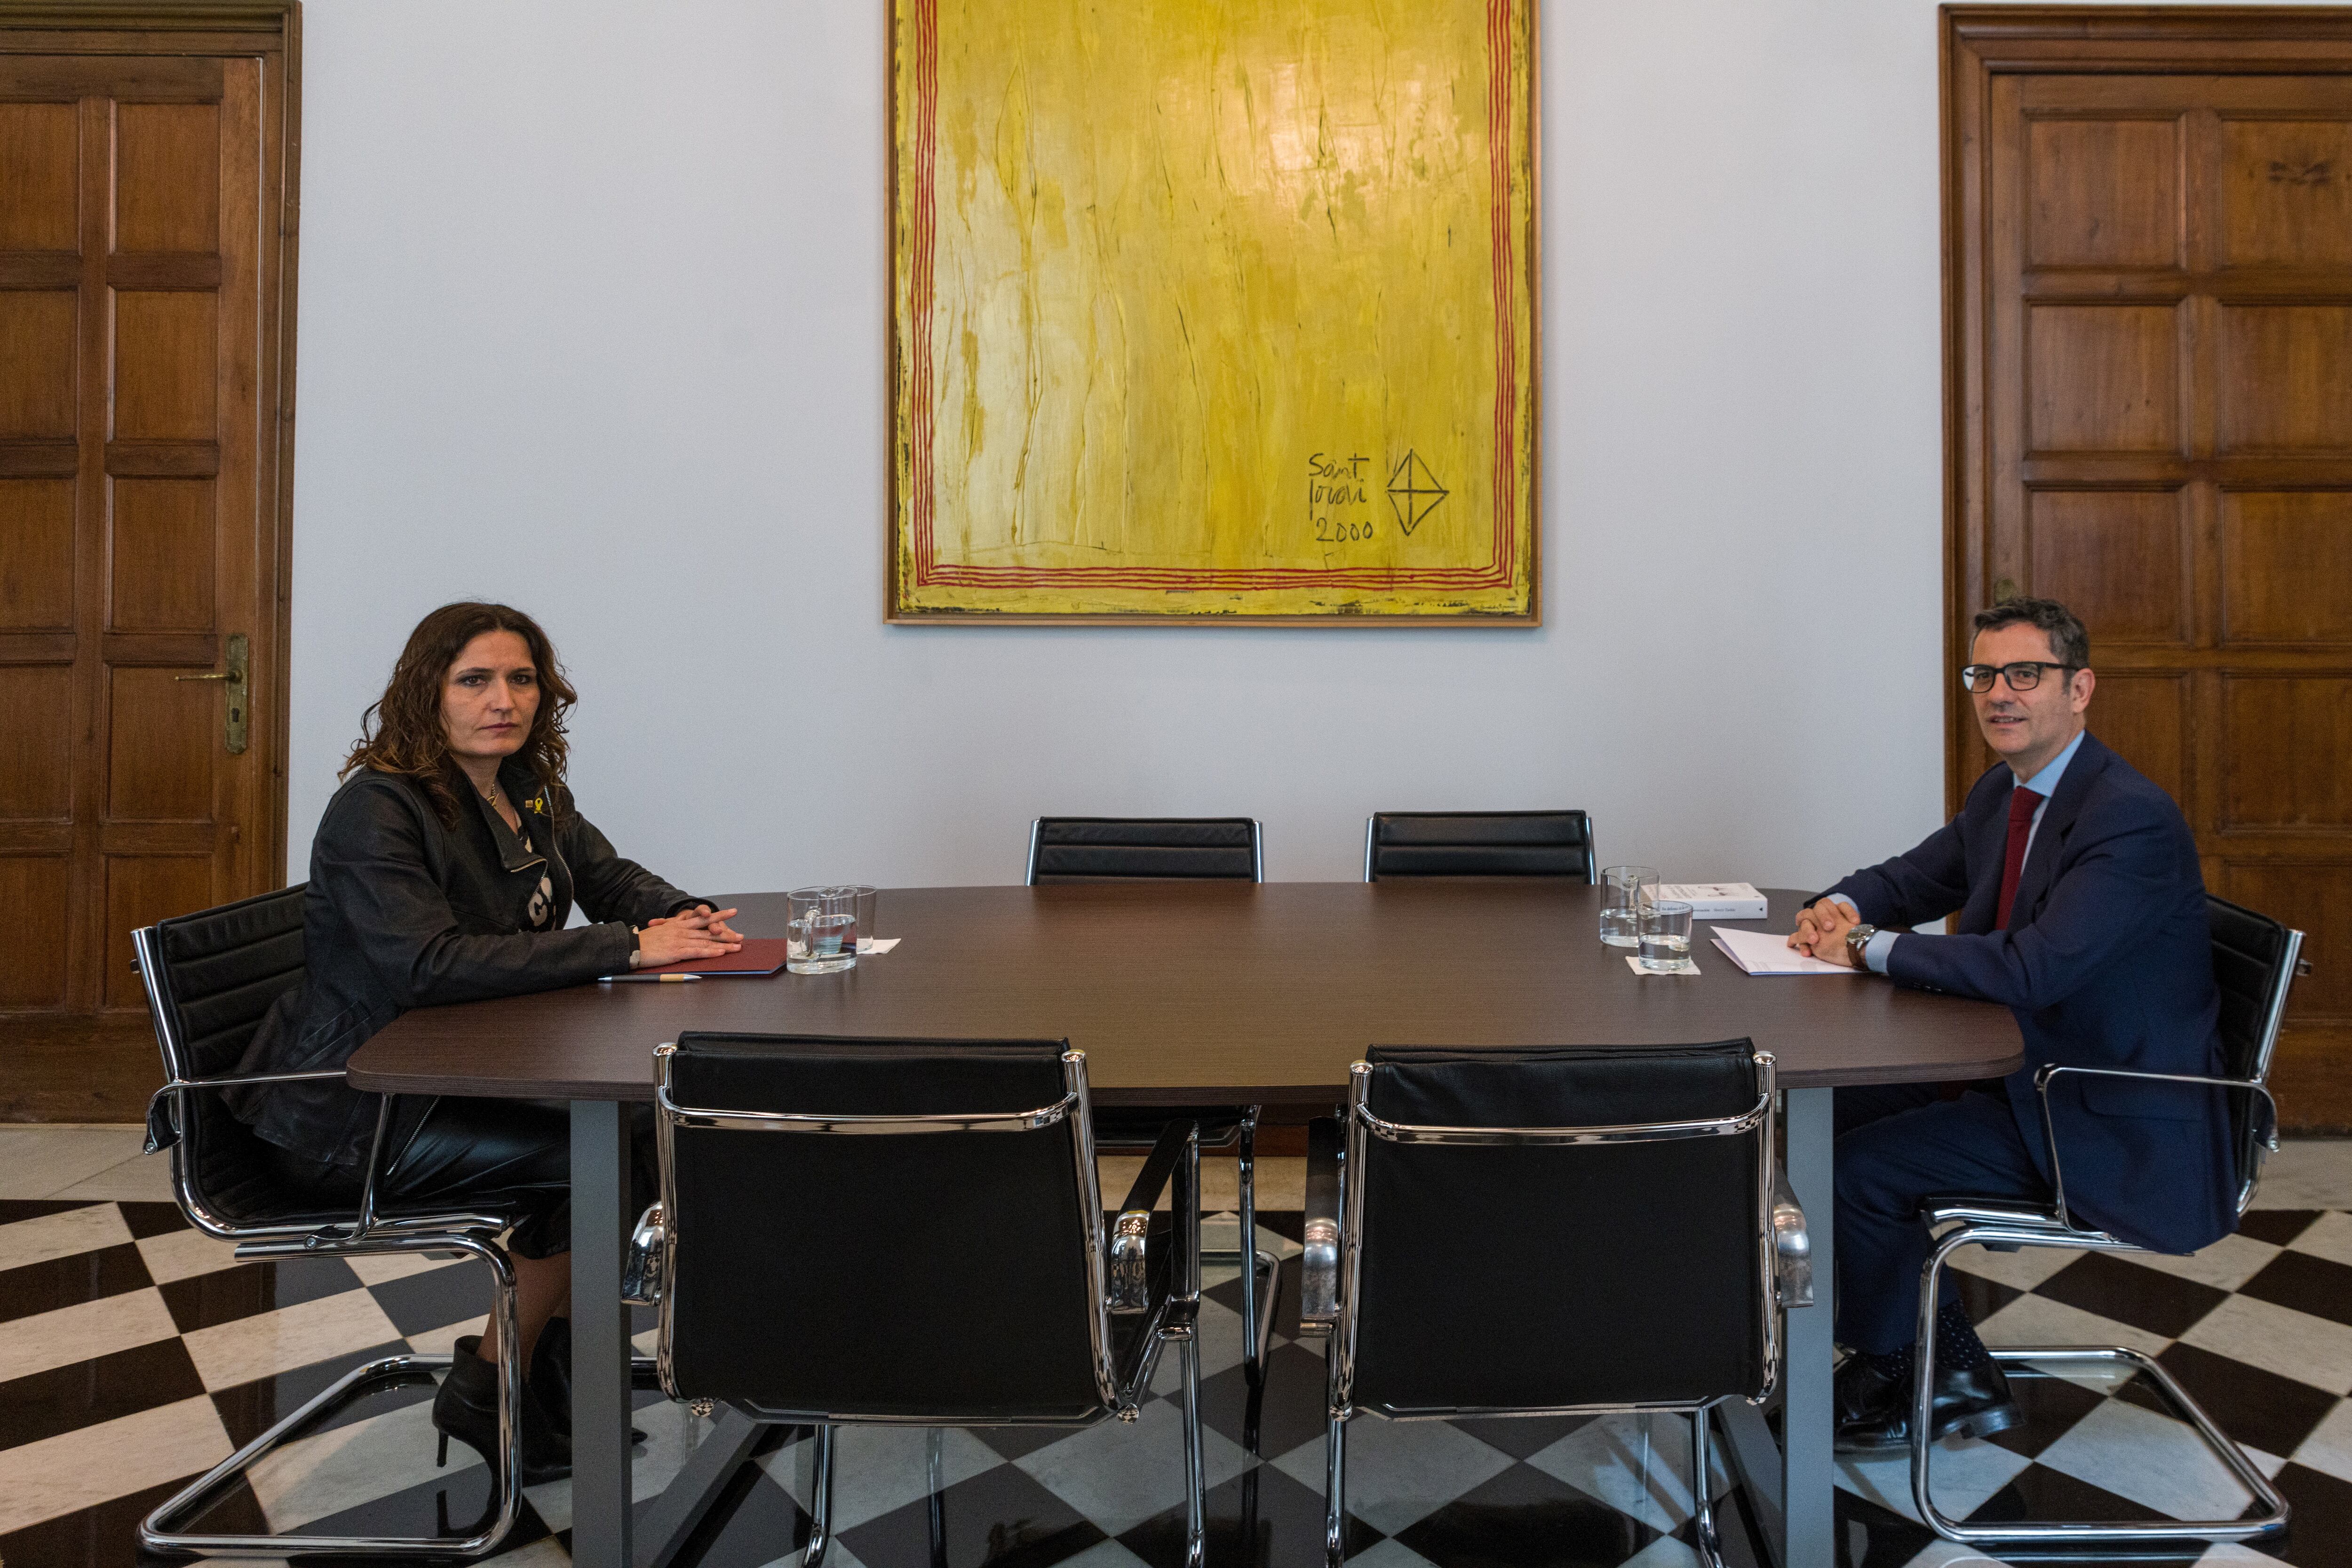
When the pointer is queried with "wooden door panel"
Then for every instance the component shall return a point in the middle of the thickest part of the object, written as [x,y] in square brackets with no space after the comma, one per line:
[37,364]
[2284,379]
[2287,566]
[2148,247]
[2145,719]
[2102,378]
[167,176]
[41,176]
[146,222]
[2285,744]
[162,734]
[2074,539]
[2103,193]
[35,742]
[32,970]
[141,891]
[2286,193]
[165,366]
[37,570]
[162,556]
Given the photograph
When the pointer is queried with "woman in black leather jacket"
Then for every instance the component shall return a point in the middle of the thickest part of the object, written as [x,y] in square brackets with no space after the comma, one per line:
[444,871]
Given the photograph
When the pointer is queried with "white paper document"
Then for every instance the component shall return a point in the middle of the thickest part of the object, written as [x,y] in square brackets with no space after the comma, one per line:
[1769,952]
[1717,900]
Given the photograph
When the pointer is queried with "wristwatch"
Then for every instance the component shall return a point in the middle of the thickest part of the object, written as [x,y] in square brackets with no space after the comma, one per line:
[1855,941]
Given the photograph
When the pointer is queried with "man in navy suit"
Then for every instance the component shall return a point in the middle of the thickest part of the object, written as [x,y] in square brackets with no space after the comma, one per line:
[2081,906]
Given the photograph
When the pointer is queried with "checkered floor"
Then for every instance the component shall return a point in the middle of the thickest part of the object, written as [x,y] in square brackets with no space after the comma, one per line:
[135,1353]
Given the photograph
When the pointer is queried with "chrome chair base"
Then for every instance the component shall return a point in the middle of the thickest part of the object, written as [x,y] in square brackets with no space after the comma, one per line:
[1989,1226]
[155,1532]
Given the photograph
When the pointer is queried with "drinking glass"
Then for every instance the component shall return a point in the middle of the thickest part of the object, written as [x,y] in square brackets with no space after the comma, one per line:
[1624,890]
[821,930]
[864,900]
[1665,937]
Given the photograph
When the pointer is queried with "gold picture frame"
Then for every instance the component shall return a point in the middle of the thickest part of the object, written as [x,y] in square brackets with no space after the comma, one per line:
[1213,311]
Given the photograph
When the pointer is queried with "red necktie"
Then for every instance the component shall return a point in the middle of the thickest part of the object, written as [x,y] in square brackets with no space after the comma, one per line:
[2022,801]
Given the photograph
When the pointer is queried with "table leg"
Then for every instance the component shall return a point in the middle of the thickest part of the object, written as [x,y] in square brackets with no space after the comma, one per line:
[1808,1472]
[600,1335]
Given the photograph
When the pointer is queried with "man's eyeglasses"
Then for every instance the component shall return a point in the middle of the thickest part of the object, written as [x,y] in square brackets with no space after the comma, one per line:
[2022,676]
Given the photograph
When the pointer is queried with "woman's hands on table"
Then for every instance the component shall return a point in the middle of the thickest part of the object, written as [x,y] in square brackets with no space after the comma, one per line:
[697,932]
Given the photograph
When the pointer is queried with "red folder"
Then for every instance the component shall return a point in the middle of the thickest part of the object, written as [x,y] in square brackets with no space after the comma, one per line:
[758,955]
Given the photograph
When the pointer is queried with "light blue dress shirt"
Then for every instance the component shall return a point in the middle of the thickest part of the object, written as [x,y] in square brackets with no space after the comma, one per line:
[2043,784]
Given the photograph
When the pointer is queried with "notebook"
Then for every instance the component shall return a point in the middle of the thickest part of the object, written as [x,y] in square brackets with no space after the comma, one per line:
[758,955]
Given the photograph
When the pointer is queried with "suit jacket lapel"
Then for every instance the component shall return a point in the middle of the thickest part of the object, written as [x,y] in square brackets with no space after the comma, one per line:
[2057,821]
[1982,820]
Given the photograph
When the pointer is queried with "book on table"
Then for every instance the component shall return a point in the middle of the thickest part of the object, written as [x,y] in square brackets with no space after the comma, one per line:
[1715,900]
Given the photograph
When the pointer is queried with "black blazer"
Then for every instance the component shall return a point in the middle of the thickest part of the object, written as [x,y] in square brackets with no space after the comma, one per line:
[404,913]
[2108,962]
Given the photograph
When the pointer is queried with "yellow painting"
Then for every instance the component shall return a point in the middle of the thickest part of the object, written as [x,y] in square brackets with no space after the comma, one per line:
[1213,310]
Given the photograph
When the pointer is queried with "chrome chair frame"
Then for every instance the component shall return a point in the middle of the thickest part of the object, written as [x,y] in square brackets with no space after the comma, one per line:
[1116,1272]
[1330,1268]
[1260,1283]
[473,1234]
[2007,1224]
[1371,823]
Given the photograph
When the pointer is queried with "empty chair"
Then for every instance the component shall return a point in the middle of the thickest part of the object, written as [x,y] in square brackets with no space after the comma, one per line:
[209,978]
[909,1232]
[1117,848]
[1544,1231]
[1479,844]
[2255,961]
[1144,848]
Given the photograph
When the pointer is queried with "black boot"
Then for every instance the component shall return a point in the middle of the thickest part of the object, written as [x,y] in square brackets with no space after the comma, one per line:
[466,1407]
[548,1382]
[1874,1394]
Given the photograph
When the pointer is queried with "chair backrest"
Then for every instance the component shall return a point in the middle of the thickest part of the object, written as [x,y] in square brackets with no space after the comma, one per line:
[209,979]
[1479,844]
[941,1265]
[1122,848]
[2254,962]
[1543,1228]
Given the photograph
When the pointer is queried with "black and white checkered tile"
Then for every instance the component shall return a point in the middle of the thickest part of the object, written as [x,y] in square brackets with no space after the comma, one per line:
[135,1353]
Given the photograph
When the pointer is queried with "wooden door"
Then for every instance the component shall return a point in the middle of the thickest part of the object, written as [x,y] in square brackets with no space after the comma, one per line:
[2149,260]
[144,285]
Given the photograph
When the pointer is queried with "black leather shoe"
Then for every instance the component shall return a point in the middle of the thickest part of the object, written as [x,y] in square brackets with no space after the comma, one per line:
[1873,1409]
[466,1407]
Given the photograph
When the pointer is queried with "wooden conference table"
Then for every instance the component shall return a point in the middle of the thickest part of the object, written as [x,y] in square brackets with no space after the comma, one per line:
[1193,993]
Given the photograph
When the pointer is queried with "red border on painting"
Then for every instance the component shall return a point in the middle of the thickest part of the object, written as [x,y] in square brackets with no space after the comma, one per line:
[923,240]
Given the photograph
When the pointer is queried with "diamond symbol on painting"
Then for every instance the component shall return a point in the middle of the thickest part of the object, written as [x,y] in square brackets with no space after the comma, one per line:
[1414,492]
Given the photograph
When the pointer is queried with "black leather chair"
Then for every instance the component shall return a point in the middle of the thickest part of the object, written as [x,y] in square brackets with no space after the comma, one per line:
[2255,962]
[1541,1231]
[1479,844]
[909,1232]
[209,978]
[1121,848]
[1147,848]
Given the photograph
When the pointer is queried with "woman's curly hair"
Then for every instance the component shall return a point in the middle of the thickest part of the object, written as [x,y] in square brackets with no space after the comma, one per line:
[403,733]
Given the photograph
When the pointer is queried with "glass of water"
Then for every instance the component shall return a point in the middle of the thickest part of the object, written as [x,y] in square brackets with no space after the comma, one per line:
[821,933]
[1625,890]
[1665,928]
[864,901]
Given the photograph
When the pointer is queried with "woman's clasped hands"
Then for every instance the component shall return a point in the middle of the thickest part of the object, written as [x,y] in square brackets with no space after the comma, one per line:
[697,932]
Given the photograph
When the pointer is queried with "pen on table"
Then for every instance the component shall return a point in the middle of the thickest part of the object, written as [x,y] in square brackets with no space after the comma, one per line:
[643,979]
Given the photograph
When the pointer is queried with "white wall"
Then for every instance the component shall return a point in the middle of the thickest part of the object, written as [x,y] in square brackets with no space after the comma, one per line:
[593,313]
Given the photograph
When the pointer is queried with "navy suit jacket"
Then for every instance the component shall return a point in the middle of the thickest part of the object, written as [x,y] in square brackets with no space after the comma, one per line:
[2107,962]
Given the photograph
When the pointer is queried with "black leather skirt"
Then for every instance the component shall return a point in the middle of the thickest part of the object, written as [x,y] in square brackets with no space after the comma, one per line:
[459,1153]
